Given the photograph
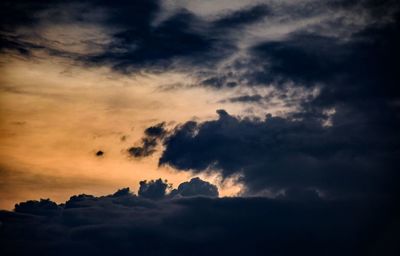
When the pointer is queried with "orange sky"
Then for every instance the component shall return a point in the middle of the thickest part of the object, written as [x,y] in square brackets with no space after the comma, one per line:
[55,114]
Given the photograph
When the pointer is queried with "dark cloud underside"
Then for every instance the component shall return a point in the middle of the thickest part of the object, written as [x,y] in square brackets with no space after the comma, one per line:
[124,223]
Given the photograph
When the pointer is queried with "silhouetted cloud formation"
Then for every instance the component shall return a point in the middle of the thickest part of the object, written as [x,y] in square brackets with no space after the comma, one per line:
[159,189]
[246,98]
[147,148]
[153,189]
[157,130]
[122,192]
[123,223]
[153,135]
[343,160]
[196,187]
[41,207]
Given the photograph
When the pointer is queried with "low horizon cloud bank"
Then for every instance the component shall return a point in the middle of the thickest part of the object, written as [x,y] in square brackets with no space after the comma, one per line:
[198,224]
[153,190]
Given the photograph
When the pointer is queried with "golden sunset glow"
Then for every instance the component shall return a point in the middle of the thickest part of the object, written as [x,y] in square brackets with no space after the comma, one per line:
[57,114]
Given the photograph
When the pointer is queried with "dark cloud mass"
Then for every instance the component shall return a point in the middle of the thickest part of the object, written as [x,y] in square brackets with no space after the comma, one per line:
[345,159]
[152,135]
[159,189]
[196,187]
[157,130]
[124,223]
[246,99]
[147,148]
[154,189]
[42,207]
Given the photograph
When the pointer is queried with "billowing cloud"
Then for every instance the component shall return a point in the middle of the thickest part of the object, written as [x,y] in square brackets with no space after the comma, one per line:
[42,207]
[159,189]
[154,189]
[196,187]
[277,153]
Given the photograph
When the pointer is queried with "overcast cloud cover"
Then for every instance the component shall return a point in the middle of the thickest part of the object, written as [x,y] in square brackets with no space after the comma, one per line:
[320,179]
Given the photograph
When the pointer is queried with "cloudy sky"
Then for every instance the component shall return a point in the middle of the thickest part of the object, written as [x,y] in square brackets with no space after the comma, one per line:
[224,108]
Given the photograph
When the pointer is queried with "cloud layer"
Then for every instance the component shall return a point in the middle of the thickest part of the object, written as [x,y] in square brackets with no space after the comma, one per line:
[126,223]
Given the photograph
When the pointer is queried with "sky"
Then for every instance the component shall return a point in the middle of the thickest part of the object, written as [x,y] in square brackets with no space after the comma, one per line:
[183,127]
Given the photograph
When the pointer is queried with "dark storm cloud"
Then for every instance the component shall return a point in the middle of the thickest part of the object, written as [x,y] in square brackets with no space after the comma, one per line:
[147,148]
[345,159]
[196,187]
[152,136]
[339,64]
[157,130]
[20,12]
[34,14]
[42,207]
[136,42]
[159,189]
[158,46]
[122,192]
[153,189]
[184,40]
[331,52]
[357,72]
[281,95]
[127,223]
[296,58]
